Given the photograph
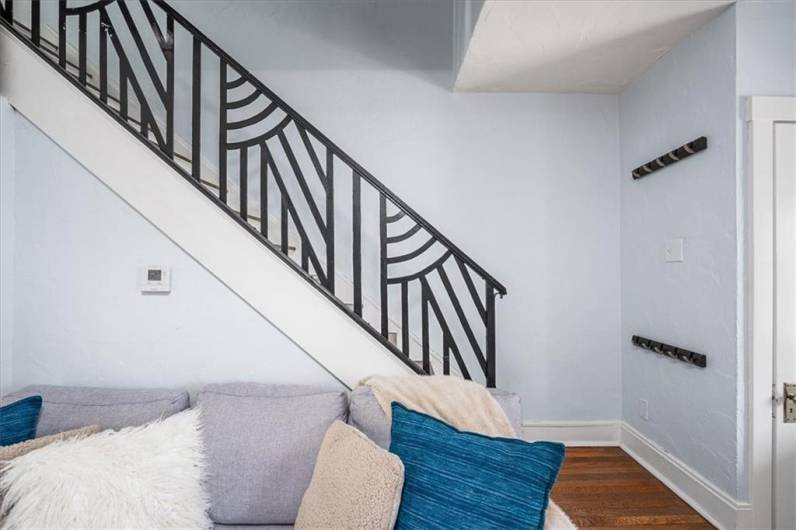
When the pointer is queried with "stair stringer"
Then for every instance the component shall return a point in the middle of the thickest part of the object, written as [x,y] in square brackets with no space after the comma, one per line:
[183,214]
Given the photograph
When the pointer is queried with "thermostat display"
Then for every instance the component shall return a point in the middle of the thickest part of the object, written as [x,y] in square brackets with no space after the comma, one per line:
[154,279]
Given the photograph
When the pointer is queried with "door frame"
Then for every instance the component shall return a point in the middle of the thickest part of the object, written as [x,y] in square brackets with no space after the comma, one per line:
[761,114]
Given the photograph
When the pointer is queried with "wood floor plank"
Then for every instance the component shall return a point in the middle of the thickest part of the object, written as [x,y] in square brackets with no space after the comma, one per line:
[603,487]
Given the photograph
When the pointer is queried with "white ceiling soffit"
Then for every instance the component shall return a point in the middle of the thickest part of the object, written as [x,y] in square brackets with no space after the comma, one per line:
[596,46]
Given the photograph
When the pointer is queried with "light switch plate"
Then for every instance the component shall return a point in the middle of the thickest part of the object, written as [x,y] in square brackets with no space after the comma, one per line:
[674,250]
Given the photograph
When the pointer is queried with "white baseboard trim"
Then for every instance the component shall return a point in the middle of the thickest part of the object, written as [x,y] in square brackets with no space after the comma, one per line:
[574,433]
[717,507]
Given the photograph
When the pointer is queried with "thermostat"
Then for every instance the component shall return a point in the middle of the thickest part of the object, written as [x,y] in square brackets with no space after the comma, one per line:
[154,279]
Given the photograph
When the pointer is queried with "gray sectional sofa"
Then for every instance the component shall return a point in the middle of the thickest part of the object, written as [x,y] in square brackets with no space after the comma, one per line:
[261,440]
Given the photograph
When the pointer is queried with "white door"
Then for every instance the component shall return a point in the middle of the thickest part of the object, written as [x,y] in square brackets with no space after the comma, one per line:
[784,450]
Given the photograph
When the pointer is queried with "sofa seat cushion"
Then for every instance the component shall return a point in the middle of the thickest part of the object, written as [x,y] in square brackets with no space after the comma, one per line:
[65,408]
[366,414]
[218,526]
[262,442]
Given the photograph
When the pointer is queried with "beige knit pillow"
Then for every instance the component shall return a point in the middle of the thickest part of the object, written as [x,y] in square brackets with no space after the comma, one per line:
[9,452]
[356,484]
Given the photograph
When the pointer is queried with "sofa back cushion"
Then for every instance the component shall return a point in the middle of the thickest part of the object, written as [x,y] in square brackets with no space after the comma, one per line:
[262,442]
[366,415]
[68,407]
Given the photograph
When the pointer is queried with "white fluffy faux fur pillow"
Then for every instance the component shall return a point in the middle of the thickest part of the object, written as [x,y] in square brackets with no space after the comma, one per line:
[144,477]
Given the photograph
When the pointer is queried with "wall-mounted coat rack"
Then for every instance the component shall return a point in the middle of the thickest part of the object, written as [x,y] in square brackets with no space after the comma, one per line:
[681,354]
[684,151]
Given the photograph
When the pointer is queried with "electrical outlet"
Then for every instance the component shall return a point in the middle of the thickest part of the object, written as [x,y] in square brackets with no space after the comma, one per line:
[644,409]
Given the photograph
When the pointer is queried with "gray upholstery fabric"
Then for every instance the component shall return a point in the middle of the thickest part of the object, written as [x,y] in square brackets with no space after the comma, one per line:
[252,526]
[262,442]
[67,407]
[366,415]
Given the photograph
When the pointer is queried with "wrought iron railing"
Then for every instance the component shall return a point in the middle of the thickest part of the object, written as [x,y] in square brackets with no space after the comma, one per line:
[276,174]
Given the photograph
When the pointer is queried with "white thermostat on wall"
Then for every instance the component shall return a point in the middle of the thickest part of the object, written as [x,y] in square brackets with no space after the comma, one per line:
[154,279]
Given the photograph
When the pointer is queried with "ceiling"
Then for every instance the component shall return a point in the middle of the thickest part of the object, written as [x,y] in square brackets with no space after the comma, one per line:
[595,46]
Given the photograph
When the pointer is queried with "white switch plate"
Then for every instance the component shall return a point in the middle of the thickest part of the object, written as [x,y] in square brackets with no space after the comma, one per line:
[644,409]
[674,250]
[154,279]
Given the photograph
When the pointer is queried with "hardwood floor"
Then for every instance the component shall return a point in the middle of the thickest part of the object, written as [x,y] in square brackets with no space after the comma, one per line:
[603,487]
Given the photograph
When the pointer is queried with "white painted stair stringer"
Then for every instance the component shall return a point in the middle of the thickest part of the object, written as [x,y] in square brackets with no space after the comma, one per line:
[173,205]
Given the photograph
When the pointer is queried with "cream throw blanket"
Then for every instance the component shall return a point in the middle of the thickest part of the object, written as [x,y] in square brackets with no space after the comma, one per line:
[466,405]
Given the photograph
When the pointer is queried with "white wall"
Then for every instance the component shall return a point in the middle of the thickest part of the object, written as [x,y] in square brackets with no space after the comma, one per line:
[79,317]
[693,413]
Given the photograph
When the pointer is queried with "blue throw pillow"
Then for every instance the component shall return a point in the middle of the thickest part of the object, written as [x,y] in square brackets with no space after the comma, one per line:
[463,480]
[18,420]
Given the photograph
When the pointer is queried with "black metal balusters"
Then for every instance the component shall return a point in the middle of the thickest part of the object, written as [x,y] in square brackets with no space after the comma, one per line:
[384,303]
[61,33]
[222,134]
[356,200]
[196,110]
[490,336]
[413,256]
[8,11]
[330,270]
[264,190]
[35,23]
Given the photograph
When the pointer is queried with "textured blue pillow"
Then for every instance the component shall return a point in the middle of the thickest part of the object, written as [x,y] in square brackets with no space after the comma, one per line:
[463,480]
[18,420]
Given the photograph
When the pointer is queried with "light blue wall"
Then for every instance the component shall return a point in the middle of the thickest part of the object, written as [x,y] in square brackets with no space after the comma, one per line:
[6,242]
[766,47]
[324,34]
[527,185]
[79,317]
[693,413]
[766,66]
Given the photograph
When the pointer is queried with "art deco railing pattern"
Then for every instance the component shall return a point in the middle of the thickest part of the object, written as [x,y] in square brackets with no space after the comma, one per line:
[275,173]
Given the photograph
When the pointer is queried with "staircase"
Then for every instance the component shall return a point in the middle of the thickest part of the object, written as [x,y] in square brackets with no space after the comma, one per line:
[292,190]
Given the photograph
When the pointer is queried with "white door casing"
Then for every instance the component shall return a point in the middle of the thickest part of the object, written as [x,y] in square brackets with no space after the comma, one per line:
[769,289]
[784,451]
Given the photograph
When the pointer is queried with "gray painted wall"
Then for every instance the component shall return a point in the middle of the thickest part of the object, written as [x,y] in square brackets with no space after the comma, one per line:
[693,413]
[78,315]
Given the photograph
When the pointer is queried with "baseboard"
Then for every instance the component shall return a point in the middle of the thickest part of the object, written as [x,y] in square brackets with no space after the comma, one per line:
[574,433]
[717,507]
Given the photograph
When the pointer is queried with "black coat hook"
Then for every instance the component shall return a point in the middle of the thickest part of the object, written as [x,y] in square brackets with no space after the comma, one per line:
[684,151]
[673,352]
